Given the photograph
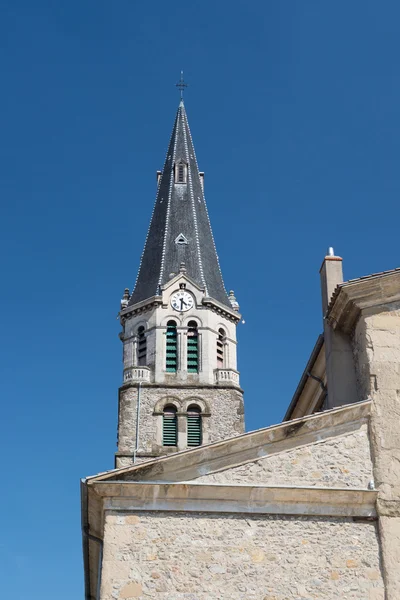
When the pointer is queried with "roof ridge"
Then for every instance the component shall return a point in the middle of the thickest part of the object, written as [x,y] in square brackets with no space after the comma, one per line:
[172,161]
[196,229]
[205,204]
[284,424]
[154,208]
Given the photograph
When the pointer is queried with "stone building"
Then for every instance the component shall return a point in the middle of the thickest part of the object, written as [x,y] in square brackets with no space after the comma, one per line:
[195,508]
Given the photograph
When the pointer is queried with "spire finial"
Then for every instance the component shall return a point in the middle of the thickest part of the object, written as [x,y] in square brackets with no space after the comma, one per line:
[181,85]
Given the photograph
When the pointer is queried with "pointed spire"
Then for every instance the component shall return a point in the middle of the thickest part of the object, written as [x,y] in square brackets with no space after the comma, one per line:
[180,213]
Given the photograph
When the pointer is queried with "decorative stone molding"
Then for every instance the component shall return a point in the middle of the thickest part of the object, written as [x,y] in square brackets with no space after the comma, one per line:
[137,374]
[221,309]
[352,297]
[226,376]
[139,307]
[218,498]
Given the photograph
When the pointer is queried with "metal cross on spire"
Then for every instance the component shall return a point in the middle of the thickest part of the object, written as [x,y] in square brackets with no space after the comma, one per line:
[181,85]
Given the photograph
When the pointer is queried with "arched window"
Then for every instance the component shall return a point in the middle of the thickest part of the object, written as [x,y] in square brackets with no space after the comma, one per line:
[170,426]
[171,363]
[192,348]
[194,429]
[220,348]
[141,346]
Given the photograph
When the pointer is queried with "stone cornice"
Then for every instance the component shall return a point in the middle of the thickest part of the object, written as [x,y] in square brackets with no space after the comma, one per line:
[221,309]
[217,498]
[352,297]
[140,307]
[182,386]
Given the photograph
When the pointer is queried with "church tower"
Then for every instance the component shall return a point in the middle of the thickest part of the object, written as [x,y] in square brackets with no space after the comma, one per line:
[180,380]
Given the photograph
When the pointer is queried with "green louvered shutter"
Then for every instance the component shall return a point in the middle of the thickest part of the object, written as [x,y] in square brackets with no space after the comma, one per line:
[220,348]
[194,436]
[142,347]
[170,427]
[171,362]
[192,348]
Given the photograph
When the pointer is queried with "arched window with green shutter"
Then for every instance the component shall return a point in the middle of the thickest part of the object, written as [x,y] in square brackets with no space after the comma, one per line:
[220,348]
[141,346]
[194,426]
[171,363]
[170,426]
[192,348]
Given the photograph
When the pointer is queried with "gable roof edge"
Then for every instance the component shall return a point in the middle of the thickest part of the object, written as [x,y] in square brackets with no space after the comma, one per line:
[203,460]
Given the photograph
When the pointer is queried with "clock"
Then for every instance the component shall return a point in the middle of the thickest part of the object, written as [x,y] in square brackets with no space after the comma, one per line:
[182,301]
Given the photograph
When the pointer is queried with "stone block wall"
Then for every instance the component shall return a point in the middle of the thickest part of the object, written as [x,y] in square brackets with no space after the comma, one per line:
[222,408]
[344,461]
[377,351]
[201,556]
[377,357]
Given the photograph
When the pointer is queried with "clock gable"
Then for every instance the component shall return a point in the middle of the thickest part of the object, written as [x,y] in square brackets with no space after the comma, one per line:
[178,285]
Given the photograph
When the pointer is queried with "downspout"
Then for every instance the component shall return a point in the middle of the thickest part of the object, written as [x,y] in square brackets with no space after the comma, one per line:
[100,542]
[321,383]
[137,422]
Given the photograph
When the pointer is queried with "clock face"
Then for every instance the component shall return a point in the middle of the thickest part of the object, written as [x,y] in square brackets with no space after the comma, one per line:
[182,301]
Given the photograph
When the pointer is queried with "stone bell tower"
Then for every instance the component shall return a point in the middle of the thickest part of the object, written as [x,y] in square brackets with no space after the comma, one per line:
[180,380]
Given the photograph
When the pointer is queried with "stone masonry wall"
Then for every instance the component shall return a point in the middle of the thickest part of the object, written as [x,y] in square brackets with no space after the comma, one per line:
[173,556]
[377,351]
[344,461]
[377,357]
[224,417]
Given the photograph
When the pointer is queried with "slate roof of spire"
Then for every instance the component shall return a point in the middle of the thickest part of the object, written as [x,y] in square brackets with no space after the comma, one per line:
[180,209]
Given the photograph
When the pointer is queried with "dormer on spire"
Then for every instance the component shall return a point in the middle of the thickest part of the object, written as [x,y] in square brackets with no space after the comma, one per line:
[181,170]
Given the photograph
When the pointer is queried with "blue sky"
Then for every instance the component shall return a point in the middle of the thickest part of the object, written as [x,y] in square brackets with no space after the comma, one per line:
[294,110]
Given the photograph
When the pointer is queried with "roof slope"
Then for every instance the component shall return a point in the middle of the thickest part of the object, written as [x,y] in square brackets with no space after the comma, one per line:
[179,209]
[204,460]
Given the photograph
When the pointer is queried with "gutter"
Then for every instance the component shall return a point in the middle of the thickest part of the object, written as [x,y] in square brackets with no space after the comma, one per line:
[306,374]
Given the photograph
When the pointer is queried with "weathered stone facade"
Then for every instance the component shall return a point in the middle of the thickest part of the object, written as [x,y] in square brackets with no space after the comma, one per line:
[175,556]
[344,461]
[368,311]
[222,417]
[213,388]
[377,352]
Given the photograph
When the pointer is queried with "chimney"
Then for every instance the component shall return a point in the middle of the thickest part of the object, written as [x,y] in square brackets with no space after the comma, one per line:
[331,273]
